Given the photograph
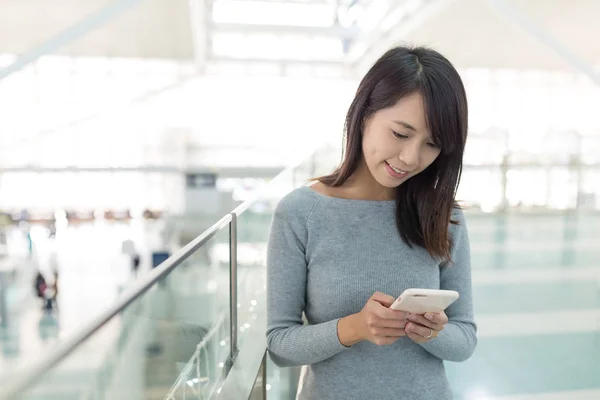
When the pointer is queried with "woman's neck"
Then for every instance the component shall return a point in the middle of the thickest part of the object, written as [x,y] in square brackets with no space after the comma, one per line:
[362,186]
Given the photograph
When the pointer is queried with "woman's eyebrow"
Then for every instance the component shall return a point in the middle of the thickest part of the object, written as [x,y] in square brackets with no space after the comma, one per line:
[406,125]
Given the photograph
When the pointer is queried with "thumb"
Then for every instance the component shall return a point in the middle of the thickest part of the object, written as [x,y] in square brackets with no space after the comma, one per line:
[383,299]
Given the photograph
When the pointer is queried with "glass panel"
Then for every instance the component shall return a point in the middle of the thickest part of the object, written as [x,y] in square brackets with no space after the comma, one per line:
[203,373]
[282,382]
[141,353]
[253,230]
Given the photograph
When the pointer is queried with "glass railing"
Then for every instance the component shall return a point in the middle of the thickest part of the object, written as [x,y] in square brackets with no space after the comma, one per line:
[192,328]
[252,375]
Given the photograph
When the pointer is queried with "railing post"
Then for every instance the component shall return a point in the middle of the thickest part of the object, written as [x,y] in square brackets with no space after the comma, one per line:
[264,376]
[233,293]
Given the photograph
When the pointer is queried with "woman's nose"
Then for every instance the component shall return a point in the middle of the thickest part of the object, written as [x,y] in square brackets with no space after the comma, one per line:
[410,155]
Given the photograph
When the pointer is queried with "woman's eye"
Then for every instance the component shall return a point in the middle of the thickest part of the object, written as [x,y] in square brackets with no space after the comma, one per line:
[433,145]
[399,135]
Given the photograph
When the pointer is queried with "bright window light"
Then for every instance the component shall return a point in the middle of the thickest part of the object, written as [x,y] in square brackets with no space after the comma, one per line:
[6,60]
[373,14]
[271,47]
[272,13]
[350,16]
[478,394]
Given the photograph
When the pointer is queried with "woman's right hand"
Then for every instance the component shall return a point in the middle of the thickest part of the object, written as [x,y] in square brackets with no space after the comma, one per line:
[376,322]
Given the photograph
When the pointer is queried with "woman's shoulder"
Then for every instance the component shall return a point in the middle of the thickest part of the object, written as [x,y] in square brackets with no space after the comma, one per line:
[458,214]
[299,202]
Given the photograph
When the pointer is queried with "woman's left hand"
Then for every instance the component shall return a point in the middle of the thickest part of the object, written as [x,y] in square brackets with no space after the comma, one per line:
[423,328]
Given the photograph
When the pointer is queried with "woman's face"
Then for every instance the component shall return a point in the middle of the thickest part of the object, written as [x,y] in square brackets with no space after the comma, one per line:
[396,142]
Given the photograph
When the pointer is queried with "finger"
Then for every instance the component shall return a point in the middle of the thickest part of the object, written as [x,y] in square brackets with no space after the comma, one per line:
[421,320]
[383,299]
[392,323]
[389,332]
[389,314]
[376,322]
[420,330]
[383,341]
[383,311]
[439,318]
[416,338]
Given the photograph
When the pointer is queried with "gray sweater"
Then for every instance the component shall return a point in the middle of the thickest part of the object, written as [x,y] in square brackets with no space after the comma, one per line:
[326,257]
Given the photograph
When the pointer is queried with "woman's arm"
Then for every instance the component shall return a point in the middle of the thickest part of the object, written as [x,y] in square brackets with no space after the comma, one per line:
[290,343]
[458,339]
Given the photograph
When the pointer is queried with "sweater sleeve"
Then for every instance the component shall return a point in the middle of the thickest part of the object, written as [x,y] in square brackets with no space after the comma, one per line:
[290,342]
[457,341]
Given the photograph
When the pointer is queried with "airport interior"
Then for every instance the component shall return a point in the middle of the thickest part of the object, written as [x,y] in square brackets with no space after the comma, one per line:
[145,144]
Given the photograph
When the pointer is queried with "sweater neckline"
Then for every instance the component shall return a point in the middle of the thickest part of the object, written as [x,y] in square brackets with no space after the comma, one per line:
[343,200]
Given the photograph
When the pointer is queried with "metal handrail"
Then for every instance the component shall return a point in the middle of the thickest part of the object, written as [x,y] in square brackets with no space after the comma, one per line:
[20,382]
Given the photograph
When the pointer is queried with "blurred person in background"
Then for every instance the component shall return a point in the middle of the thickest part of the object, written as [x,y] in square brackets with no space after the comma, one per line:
[128,248]
[46,291]
[29,242]
[55,290]
[135,263]
[341,251]
[40,287]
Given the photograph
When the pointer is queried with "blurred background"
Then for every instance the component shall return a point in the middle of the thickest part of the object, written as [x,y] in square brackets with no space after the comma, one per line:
[129,127]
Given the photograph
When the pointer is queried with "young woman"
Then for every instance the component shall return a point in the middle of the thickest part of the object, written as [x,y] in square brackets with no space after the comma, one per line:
[340,251]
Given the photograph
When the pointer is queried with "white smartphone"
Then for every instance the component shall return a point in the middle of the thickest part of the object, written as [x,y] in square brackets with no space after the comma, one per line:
[420,301]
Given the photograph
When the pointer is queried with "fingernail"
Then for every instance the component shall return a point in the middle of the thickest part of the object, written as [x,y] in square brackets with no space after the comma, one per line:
[429,316]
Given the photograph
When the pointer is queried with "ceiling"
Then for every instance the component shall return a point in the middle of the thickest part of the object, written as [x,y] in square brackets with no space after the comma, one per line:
[131,28]
[473,33]
[498,34]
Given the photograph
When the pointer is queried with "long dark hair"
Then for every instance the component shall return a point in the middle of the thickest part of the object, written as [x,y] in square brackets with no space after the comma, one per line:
[424,203]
